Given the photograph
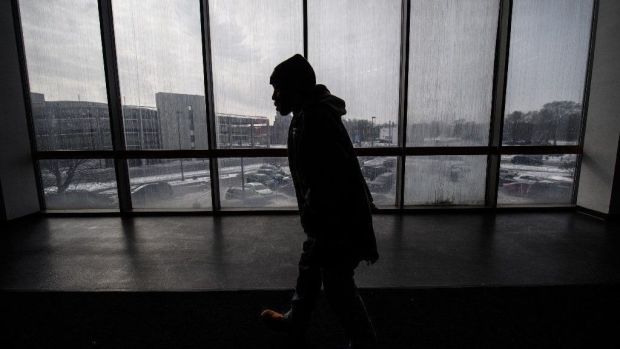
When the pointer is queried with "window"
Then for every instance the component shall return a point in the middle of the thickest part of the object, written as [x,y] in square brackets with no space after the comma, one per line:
[536,179]
[79,184]
[256,182]
[248,39]
[380,174]
[354,47]
[451,57]
[188,80]
[170,183]
[549,44]
[66,76]
[160,66]
[445,180]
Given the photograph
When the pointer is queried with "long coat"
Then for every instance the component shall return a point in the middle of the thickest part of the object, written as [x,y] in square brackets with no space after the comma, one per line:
[334,201]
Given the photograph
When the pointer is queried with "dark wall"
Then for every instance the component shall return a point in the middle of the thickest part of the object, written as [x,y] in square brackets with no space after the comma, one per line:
[17,180]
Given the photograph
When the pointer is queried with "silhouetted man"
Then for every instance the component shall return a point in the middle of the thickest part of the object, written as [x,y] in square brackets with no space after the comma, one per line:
[334,203]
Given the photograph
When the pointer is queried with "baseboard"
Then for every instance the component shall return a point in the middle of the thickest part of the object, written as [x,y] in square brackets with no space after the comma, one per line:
[593,213]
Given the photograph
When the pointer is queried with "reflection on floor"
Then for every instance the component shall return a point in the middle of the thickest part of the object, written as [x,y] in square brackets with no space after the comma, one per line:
[443,281]
[261,252]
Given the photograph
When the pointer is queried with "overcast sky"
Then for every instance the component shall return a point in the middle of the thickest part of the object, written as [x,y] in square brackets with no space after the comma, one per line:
[354,46]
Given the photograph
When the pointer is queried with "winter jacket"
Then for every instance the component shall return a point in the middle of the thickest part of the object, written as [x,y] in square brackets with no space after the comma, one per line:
[334,200]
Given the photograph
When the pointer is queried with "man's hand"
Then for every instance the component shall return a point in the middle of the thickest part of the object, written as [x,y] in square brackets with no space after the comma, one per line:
[373,207]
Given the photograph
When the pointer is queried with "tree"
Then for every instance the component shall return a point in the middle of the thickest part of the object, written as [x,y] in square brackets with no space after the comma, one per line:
[558,120]
[64,172]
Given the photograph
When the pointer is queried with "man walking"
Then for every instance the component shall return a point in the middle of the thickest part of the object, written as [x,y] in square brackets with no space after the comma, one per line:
[334,202]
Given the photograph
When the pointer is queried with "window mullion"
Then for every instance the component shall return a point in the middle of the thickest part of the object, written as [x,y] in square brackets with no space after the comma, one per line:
[211,126]
[498,103]
[585,99]
[402,108]
[114,103]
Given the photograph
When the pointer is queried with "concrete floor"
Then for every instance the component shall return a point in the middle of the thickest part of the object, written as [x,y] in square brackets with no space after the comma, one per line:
[183,253]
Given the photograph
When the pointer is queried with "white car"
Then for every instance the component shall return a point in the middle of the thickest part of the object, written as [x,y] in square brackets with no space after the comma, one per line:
[259,188]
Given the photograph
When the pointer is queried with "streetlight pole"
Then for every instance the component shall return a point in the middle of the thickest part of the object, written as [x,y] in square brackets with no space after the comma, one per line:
[372,131]
[179,138]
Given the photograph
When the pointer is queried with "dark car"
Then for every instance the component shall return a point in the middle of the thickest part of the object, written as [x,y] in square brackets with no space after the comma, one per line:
[152,192]
[260,178]
[372,171]
[382,183]
[506,176]
[533,160]
[78,199]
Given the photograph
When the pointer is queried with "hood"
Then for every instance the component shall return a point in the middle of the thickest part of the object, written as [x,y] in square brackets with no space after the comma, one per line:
[322,96]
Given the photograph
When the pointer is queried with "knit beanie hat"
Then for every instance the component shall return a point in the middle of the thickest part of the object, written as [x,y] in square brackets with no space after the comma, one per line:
[295,74]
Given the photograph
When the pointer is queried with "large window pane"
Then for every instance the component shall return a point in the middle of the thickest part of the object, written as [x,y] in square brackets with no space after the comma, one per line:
[159,50]
[248,39]
[170,183]
[536,179]
[65,69]
[380,174]
[549,43]
[445,180]
[354,47]
[451,59]
[256,183]
[79,184]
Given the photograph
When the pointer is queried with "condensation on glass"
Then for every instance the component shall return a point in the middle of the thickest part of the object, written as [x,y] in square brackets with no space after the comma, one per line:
[536,179]
[451,60]
[79,184]
[354,47]
[256,183]
[380,174]
[549,44]
[248,39]
[160,66]
[445,180]
[170,183]
[62,41]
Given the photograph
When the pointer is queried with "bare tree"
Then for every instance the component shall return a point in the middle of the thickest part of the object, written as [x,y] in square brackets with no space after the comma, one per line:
[64,172]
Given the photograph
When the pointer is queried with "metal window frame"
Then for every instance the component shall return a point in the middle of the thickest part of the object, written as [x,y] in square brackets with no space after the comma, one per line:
[120,154]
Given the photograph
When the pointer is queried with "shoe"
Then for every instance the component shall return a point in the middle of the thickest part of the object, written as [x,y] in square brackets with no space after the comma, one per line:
[276,321]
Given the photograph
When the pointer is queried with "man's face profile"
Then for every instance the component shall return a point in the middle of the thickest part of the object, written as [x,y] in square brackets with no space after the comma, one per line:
[283,100]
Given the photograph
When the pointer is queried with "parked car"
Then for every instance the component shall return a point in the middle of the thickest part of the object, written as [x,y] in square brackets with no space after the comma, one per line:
[533,160]
[267,180]
[78,199]
[248,191]
[382,183]
[152,192]
[372,171]
[506,176]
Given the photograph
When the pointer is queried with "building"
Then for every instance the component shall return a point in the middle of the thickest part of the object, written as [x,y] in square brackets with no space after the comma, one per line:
[242,131]
[182,121]
[83,125]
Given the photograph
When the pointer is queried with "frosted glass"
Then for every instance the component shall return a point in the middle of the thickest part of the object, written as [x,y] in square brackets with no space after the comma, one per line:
[536,179]
[549,43]
[256,183]
[445,180]
[354,47]
[62,42]
[451,59]
[160,66]
[79,184]
[248,39]
[170,183]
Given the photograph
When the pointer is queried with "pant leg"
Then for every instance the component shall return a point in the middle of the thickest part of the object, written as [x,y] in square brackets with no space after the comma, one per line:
[344,298]
[307,289]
